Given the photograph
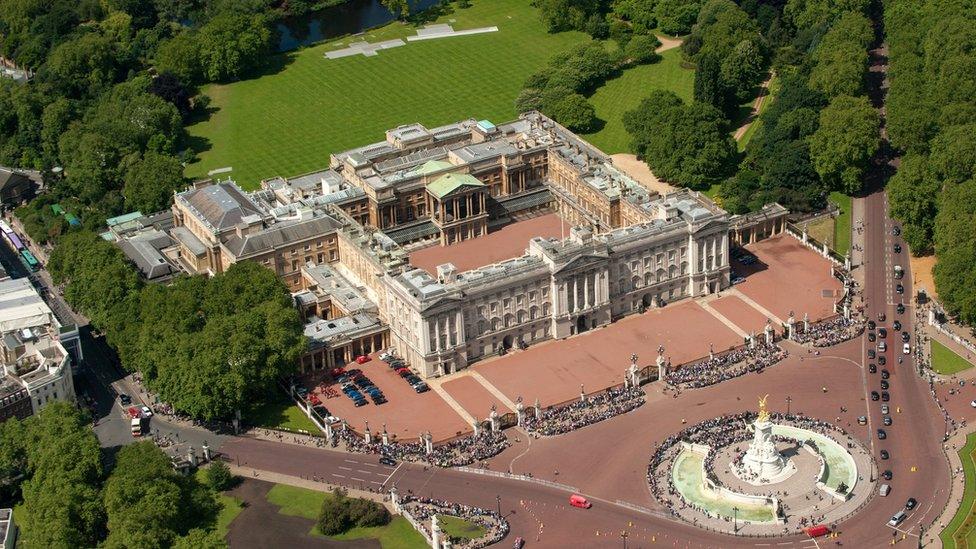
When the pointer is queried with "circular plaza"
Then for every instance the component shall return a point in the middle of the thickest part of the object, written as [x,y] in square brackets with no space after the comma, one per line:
[762,474]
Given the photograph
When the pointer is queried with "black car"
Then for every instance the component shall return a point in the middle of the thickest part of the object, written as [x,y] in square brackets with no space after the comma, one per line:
[386,460]
[884,385]
[897,248]
[887,474]
[875,396]
[896,230]
[871,325]
[871,336]
[321,410]
[896,325]
[882,333]
[900,308]
[882,360]
[900,289]
[421,387]
[884,396]
[377,398]
[360,402]
[885,374]
[910,504]
[872,368]
[125,399]
[886,420]
[905,337]
[884,454]
[872,354]
[881,317]
[882,434]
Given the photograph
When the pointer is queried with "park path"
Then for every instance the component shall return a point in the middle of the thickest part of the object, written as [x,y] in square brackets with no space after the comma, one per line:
[757,105]
[667,43]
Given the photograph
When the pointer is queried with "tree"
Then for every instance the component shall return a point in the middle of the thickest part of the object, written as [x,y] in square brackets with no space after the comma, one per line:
[366,513]
[168,87]
[563,15]
[597,26]
[641,49]
[676,17]
[232,45]
[200,539]
[845,141]
[334,516]
[150,182]
[574,112]
[83,66]
[219,476]
[180,56]
[913,195]
[399,8]
[529,99]
[710,88]
[686,144]
[143,499]
[953,156]
[743,70]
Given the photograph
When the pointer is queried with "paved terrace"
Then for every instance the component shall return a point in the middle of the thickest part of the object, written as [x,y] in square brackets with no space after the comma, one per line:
[505,243]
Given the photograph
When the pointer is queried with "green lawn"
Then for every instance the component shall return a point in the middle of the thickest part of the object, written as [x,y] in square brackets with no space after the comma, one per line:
[281,414]
[842,224]
[625,92]
[751,130]
[961,531]
[287,123]
[459,528]
[945,361]
[301,502]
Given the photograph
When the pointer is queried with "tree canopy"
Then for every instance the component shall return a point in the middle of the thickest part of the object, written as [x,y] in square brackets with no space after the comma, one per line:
[846,139]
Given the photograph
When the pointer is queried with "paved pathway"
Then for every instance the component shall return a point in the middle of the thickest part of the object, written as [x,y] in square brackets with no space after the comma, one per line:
[722,318]
[756,306]
[756,107]
[435,385]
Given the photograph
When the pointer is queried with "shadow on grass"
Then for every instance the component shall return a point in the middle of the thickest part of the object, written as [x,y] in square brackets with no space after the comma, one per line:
[430,15]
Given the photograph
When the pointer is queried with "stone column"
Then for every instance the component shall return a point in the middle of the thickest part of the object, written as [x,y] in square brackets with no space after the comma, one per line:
[385,437]
[367,435]
[395,499]
[806,322]
[477,427]
[435,533]
[428,443]
[191,456]
[582,394]
[520,411]
[496,424]
[538,410]
[206,452]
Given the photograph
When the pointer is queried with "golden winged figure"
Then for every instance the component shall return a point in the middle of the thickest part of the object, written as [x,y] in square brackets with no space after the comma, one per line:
[763,412]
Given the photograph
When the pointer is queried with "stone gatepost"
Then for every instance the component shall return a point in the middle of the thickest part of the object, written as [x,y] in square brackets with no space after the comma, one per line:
[477,427]
[191,456]
[582,394]
[769,332]
[435,533]
[520,411]
[538,410]
[328,430]
[385,437]
[428,443]
[496,424]
[790,325]
[395,499]
[206,452]
[806,323]
[367,435]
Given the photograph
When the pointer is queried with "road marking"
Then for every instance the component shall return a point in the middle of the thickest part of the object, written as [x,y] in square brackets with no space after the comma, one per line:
[345,468]
[351,461]
[337,475]
[361,471]
[376,482]
[369,464]
[393,473]
[359,479]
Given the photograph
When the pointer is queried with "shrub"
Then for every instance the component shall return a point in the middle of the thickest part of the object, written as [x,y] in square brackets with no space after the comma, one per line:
[219,476]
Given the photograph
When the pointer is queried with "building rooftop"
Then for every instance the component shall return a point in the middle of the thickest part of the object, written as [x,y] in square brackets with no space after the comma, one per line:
[282,233]
[21,306]
[343,293]
[220,206]
[321,332]
[448,183]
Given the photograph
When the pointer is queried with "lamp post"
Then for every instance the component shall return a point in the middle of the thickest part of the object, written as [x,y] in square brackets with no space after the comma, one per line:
[498,502]
[623,536]
[735,520]
[789,399]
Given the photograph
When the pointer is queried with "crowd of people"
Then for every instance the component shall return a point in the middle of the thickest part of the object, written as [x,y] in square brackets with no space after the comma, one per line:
[423,510]
[563,419]
[461,451]
[831,332]
[718,368]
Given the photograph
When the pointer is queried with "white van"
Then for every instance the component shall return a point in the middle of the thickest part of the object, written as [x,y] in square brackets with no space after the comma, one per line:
[883,491]
[897,518]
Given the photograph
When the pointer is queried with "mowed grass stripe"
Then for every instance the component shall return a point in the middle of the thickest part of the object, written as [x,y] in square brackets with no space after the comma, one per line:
[959,532]
[289,122]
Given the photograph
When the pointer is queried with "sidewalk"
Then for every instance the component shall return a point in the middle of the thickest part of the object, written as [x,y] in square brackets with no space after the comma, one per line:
[309,484]
[957,487]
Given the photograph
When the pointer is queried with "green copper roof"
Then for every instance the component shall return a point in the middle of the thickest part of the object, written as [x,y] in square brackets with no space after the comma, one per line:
[432,166]
[446,184]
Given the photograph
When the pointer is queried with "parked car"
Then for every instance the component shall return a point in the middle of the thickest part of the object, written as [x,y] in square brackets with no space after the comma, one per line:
[738,280]
[886,420]
[336,372]
[884,490]
[871,325]
[519,543]
[897,248]
[884,396]
[884,385]
[910,504]
[884,409]
[873,368]
[906,349]
[884,454]
[882,434]
[885,374]
[359,402]
[402,371]
[362,359]
[882,347]
[882,333]
[882,360]
[899,288]
[421,387]
[872,354]
[871,337]
[146,412]
[896,325]
[887,474]
[881,316]
[377,398]
[387,460]
[905,337]
[875,396]
[896,230]
[862,420]
[900,308]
